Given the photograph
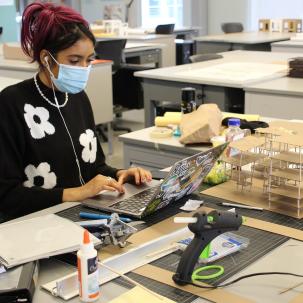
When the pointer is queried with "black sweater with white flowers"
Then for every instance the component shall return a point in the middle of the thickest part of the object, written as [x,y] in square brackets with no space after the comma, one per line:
[36,155]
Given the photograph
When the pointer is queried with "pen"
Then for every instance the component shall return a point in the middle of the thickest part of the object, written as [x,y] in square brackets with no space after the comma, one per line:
[84,215]
[241,206]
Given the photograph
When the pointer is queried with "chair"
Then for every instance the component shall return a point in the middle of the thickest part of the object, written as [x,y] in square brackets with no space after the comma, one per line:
[184,49]
[232,27]
[204,57]
[112,50]
[165,29]
[127,91]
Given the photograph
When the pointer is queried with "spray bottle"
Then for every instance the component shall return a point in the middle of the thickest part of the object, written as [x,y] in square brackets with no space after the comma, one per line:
[88,275]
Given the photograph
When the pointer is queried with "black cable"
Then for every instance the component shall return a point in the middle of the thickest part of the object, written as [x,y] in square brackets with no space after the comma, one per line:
[243,277]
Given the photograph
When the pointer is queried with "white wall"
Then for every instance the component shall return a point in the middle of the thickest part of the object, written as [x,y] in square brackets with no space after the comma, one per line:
[93,9]
[198,17]
[275,9]
[195,12]
[220,11]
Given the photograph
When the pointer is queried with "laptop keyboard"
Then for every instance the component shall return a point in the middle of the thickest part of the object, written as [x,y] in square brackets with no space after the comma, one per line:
[136,203]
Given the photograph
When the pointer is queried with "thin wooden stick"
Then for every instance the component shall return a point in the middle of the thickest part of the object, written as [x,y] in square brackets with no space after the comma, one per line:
[291,288]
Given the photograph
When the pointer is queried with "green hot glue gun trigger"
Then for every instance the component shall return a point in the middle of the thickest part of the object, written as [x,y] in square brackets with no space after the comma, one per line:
[205,227]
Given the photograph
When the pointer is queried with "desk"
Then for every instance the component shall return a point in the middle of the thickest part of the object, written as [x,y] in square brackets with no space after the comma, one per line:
[168,52]
[4,82]
[258,289]
[52,269]
[164,84]
[259,41]
[181,32]
[139,149]
[144,53]
[17,69]
[186,32]
[280,98]
[290,46]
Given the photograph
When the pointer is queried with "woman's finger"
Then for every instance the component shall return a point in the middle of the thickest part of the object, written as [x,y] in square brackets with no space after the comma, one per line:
[137,176]
[110,182]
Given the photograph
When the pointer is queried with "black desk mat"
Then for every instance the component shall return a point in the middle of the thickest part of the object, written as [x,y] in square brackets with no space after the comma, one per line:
[261,243]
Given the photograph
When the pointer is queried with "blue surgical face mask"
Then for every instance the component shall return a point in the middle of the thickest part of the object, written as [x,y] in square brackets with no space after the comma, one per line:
[71,79]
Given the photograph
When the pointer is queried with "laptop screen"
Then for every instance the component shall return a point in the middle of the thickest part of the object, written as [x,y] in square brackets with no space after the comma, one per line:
[184,178]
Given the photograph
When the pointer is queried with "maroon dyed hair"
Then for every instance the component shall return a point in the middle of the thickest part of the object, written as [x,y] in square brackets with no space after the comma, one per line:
[51,27]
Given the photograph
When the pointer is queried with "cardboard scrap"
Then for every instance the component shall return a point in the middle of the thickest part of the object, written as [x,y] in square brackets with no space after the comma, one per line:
[295,140]
[297,299]
[213,295]
[139,295]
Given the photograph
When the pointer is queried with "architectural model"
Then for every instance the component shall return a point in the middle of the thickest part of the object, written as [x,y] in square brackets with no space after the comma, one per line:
[274,155]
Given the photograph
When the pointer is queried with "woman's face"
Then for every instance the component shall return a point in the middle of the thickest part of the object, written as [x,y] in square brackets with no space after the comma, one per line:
[79,54]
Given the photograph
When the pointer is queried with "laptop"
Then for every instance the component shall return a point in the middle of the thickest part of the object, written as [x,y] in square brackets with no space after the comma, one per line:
[184,177]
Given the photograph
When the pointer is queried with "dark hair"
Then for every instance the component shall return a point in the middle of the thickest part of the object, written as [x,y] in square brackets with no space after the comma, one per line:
[51,27]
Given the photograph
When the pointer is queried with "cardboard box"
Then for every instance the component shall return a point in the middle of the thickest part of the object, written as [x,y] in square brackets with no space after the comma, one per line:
[280,25]
[13,51]
[264,25]
[292,25]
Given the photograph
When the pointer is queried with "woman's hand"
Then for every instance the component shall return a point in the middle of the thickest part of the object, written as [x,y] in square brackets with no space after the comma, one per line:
[139,174]
[92,188]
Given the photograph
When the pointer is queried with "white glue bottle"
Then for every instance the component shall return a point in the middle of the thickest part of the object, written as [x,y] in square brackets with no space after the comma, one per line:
[88,275]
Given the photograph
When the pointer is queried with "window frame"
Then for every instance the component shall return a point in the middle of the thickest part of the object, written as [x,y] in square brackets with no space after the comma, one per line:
[163,18]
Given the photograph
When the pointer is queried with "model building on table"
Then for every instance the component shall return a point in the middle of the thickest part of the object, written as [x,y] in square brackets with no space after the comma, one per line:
[273,157]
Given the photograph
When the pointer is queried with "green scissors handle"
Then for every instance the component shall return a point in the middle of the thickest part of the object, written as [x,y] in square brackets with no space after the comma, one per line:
[220,271]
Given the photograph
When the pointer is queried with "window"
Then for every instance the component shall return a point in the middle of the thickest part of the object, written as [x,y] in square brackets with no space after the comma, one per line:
[156,12]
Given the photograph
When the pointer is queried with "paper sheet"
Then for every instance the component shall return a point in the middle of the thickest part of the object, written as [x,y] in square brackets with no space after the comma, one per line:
[139,295]
[38,238]
[192,205]
[238,72]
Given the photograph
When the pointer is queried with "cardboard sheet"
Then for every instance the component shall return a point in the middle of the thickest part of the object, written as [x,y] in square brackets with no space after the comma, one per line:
[275,228]
[296,127]
[247,143]
[254,197]
[297,299]
[214,295]
[139,295]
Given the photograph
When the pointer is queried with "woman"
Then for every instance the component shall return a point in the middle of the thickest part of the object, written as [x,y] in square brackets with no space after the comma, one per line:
[49,151]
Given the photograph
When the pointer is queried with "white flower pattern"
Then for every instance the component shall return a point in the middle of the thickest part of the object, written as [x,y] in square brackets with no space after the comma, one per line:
[37,120]
[89,143]
[43,171]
